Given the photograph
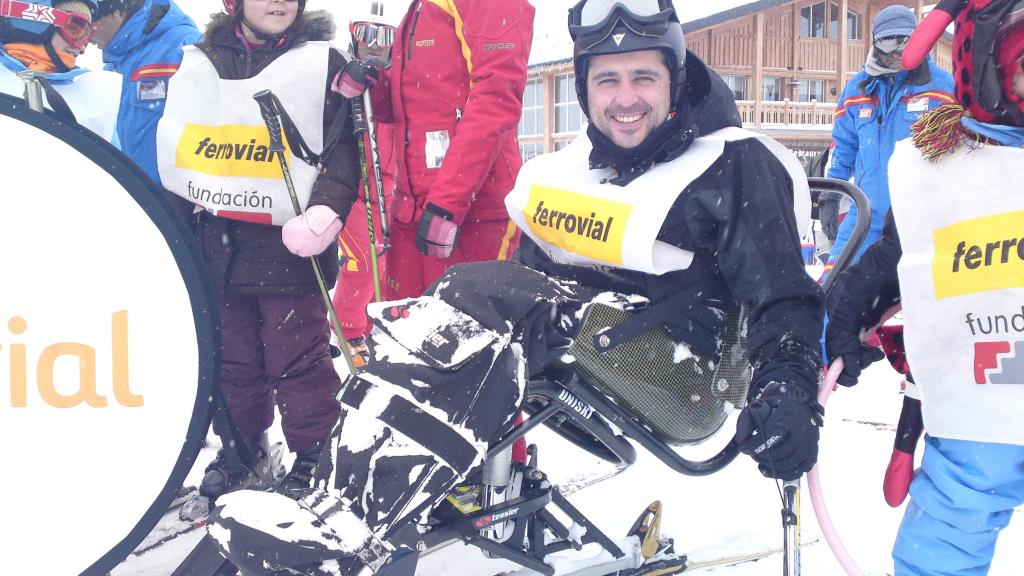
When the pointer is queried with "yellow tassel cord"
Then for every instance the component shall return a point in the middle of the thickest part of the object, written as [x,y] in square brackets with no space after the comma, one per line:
[940,132]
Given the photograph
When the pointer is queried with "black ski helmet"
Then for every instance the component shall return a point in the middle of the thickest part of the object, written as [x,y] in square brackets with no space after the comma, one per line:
[108,7]
[616,26]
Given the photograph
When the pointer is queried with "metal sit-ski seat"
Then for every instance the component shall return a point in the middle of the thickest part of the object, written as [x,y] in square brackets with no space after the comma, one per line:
[683,395]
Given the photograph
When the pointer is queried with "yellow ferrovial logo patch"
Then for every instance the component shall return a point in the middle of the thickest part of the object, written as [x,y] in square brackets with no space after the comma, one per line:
[584,225]
[232,150]
[979,255]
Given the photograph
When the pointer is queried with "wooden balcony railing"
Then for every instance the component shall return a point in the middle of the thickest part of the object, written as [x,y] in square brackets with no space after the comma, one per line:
[795,114]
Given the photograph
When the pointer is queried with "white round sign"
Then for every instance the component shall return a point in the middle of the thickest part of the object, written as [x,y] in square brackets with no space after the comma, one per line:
[107,348]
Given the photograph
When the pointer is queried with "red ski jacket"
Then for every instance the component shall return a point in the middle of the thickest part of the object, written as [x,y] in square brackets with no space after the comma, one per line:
[456,88]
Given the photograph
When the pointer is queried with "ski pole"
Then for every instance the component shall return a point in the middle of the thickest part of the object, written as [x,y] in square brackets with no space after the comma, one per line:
[272,117]
[362,131]
[385,229]
[791,528]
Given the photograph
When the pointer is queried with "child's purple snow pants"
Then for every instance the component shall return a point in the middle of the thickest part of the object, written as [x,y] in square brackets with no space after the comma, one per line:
[278,345]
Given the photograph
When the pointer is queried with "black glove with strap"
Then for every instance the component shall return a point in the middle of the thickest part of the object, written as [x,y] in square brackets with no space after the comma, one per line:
[779,429]
[355,78]
[436,234]
[842,340]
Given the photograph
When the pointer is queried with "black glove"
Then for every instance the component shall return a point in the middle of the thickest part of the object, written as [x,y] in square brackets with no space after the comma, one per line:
[828,215]
[355,78]
[844,342]
[436,234]
[779,430]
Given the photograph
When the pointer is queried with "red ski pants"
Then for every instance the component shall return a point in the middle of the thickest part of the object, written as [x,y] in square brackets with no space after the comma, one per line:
[354,289]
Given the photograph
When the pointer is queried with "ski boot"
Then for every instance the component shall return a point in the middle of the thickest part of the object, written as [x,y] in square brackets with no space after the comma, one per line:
[299,480]
[221,477]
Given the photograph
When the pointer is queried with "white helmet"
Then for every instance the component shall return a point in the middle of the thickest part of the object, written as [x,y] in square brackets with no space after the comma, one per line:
[374,12]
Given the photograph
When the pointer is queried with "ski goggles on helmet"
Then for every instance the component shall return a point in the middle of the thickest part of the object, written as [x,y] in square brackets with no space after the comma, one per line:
[891,45]
[591,21]
[75,28]
[370,34]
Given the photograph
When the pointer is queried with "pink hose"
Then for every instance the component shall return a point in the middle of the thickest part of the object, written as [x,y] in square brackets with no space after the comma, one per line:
[814,486]
[813,478]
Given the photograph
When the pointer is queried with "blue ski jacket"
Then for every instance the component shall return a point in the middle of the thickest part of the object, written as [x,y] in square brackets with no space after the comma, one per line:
[146,51]
[874,114]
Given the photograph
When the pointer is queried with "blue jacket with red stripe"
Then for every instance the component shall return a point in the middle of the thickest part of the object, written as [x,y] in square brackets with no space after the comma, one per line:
[874,114]
[146,51]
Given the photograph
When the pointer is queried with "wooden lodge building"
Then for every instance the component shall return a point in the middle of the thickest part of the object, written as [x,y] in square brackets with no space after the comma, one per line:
[786,61]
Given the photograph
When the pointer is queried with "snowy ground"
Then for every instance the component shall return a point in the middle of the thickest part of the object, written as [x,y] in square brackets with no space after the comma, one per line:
[730,513]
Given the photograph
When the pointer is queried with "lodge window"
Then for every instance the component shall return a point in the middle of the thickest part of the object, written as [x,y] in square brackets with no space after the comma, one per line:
[812,22]
[530,149]
[852,23]
[568,114]
[771,89]
[532,121]
[738,86]
[812,90]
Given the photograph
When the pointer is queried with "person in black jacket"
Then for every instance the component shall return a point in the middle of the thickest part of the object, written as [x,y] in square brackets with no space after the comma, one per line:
[665,201]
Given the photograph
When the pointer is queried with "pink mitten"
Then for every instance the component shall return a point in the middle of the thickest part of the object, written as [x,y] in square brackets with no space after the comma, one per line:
[312,232]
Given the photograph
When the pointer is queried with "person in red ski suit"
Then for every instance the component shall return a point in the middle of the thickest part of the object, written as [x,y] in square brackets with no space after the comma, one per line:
[455,89]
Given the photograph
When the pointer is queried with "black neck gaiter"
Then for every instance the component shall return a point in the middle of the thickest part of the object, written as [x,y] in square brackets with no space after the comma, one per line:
[664,143]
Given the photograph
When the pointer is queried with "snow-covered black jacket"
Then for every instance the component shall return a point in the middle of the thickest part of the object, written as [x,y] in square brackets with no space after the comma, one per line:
[248,258]
[737,218]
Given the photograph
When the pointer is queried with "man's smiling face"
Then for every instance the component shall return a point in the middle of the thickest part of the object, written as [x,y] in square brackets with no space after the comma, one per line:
[628,95]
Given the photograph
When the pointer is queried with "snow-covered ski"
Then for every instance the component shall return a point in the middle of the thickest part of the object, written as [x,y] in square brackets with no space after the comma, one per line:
[171,526]
[876,425]
[744,558]
[188,510]
[577,483]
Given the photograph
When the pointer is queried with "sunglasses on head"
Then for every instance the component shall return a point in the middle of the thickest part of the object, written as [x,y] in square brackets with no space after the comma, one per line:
[75,28]
[891,45]
[370,34]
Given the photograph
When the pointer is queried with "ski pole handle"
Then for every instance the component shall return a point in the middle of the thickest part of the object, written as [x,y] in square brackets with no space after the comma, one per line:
[272,118]
[33,88]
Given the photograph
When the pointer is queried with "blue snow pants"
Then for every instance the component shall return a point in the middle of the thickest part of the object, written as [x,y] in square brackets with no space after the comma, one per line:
[962,496]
